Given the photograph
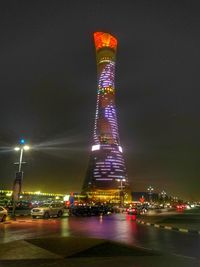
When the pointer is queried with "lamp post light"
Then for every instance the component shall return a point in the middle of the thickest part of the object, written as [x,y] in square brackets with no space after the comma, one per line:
[121,192]
[19,174]
[21,149]
[150,191]
[163,194]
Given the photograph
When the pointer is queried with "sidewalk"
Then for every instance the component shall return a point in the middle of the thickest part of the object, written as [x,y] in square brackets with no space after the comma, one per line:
[84,252]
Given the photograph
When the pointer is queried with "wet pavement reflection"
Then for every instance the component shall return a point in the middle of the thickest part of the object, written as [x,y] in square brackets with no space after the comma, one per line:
[117,227]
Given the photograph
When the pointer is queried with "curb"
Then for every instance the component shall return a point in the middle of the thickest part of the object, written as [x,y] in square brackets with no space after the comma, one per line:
[24,220]
[183,230]
[15,221]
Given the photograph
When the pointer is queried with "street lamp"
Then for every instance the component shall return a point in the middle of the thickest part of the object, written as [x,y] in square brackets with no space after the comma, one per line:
[121,193]
[150,191]
[19,175]
[21,149]
[163,194]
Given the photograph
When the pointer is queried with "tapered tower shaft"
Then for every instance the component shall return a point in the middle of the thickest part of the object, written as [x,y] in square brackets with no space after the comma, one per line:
[106,166]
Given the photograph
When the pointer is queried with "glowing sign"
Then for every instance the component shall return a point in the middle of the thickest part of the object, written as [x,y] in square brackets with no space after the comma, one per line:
[95,147]
[66,197]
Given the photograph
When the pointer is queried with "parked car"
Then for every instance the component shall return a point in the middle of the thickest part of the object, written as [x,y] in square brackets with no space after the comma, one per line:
[87,210]
[3,214]
[80,211]
[48,210]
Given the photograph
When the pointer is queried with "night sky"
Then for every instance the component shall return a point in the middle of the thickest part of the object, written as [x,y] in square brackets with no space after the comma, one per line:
[48,91]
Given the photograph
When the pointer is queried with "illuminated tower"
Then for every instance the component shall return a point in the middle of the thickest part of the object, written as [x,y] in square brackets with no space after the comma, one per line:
[106,170]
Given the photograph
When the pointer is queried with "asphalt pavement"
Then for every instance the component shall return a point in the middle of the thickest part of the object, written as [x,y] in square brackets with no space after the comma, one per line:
[181,248]
[70,251]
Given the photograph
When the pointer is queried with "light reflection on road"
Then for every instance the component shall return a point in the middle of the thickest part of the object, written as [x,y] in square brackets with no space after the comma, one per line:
[117,227]
[113,227]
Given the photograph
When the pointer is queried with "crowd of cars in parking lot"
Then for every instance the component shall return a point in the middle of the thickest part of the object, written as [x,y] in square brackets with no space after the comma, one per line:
[57,209]
[47,210]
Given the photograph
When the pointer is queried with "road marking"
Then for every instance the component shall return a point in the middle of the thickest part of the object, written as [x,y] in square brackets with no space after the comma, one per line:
[186,257]
[150,249]
[183,230]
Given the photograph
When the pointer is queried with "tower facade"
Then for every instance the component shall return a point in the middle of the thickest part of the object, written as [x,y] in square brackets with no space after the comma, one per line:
[106,170]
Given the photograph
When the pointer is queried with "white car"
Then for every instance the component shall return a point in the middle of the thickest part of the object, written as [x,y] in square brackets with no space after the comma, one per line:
[48,210]
[3,214]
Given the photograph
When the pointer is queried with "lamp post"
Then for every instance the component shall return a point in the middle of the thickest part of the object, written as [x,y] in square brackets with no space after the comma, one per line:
[21,149]
[150,191]
[121,193]
[163,194]
[19,174]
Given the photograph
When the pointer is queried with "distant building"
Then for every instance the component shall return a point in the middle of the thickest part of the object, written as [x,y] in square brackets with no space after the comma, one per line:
[6,196]
[136,196]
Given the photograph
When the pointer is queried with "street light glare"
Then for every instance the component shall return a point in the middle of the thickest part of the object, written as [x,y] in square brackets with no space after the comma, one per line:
[150,188]
[26,147]
[17,148]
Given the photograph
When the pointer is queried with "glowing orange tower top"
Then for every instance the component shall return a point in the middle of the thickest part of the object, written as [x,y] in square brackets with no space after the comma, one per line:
[102,40]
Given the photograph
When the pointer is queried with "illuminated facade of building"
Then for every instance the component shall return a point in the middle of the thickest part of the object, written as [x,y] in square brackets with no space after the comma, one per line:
[6,196]
[106,171]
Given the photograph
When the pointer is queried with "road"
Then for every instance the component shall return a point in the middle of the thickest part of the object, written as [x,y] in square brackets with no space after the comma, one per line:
[117,227]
